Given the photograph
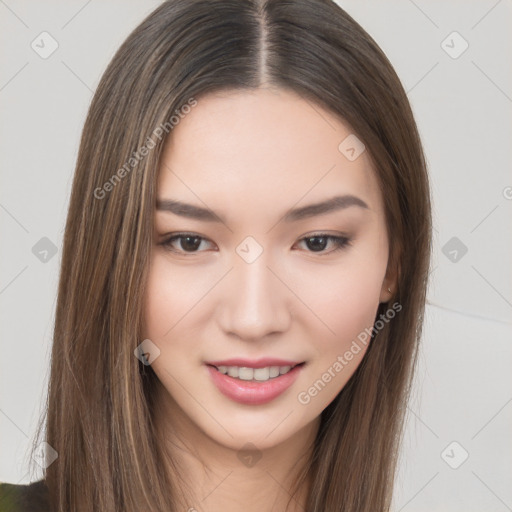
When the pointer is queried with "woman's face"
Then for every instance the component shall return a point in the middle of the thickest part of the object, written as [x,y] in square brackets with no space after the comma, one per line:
[256,275]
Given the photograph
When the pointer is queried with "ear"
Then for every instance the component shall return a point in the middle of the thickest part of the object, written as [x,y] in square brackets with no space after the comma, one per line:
[390,283]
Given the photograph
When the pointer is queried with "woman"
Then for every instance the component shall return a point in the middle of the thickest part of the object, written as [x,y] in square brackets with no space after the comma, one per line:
[244,269]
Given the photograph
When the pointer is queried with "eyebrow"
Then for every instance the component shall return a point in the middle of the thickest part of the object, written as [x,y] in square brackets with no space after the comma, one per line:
[312,210]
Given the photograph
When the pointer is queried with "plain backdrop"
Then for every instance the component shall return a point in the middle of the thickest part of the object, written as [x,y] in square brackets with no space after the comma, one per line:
[454,59]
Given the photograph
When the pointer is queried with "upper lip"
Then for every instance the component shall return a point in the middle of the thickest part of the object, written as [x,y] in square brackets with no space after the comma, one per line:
[254,363]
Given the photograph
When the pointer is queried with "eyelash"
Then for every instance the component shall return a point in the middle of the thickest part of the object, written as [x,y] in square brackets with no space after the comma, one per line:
[340,242]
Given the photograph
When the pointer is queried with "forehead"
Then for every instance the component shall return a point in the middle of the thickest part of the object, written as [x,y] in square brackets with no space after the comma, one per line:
[260,149]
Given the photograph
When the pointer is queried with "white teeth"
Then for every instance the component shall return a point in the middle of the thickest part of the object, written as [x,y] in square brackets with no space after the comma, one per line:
[262,373]
[273,371]
[245,373]
[259,374]
[233,371]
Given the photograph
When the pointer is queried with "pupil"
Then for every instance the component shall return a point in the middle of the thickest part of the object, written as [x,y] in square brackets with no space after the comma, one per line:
[193,246]
[320,246]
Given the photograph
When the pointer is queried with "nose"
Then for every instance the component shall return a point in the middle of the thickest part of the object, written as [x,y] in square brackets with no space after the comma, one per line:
[255,303]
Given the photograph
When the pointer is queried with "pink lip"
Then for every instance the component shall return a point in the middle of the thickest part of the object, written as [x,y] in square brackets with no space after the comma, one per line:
[252,392]
[256,363]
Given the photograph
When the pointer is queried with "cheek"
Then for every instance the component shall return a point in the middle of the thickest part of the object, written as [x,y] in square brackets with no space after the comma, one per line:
[171,294]
[158,306]
[346,299]
[347,307]
[169,316]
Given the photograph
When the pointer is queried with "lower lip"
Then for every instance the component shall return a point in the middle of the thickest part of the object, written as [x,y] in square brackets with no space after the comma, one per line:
[253,392]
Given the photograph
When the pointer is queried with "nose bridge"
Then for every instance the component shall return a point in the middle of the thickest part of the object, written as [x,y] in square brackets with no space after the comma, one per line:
[255,301]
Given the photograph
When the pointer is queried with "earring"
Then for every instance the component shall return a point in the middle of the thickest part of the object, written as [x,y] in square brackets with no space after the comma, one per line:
[389,290]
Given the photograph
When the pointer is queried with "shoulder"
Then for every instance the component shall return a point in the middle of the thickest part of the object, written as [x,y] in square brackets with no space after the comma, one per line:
[31,497]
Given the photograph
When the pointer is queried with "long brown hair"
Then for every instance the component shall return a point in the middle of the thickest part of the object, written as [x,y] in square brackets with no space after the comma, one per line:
[100,416]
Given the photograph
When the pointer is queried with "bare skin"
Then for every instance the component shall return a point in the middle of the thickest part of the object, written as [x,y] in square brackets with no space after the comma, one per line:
[250,157]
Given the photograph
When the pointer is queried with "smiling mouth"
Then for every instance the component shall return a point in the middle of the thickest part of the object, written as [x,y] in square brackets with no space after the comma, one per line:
[246,373]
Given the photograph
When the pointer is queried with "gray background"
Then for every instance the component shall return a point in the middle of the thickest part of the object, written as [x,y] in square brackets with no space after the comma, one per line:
[463,107]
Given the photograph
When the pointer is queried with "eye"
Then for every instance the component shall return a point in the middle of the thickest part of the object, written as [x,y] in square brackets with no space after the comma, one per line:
[319,241]
[191,242]
[188,243]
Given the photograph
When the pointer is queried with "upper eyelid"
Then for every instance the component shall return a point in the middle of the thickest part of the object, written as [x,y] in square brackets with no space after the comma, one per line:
[183,234]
